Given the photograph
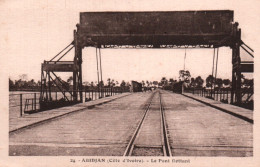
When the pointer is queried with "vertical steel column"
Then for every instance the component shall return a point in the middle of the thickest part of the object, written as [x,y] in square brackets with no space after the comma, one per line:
[77,72]
[42,91]
[75,94]
[21,105]
[34,101]
[238,70]
[80,75]
[236,67]
[233,88]
[49,85]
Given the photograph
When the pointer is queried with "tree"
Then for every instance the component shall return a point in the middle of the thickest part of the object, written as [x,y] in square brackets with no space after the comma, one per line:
[199,82]
[226,82]
[143,83]
[11,84]
[184,76]
[192,82]
[122,83]
[92,84]
[112,83]
[147,83]
[108,81]
[209,81]
[38,83]
[171,81]
[164,81]
[100,84]
[219,82]
[127,84]
[155,83]
[31,83]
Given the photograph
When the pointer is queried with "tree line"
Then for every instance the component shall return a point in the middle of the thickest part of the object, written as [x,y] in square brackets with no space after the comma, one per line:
[31,85]
[198,82]
[184,76]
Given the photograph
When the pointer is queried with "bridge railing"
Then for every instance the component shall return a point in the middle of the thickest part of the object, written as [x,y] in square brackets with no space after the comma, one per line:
[31,102]
[21,103]
[97,93]
[224,95]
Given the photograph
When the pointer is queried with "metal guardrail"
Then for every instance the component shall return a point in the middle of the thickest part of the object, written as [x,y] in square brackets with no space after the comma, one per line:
[23,103]
[224,95]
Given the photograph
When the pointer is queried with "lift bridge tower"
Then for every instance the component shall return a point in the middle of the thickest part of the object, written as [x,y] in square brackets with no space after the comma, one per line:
[168,29]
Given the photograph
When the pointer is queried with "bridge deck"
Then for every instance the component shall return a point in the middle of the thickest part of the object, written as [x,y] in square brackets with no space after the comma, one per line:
[16,123]
[195,129]
[200,130]
[242,112]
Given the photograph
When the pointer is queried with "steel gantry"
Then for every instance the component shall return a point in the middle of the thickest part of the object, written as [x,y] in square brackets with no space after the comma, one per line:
[168,29]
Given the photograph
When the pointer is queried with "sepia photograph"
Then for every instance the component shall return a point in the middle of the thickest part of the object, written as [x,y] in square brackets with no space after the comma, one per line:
[129,83]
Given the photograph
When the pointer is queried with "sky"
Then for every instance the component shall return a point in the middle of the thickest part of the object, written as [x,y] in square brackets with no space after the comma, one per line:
[34,31]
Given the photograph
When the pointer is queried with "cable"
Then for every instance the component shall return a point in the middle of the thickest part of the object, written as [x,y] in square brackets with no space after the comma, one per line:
[213,71]
[97,67]
[100,65]
[216,71]
[213,63]
[184,58]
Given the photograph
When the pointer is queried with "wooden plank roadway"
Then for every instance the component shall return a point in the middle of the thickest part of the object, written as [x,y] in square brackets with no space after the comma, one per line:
[196,129]
[102,130]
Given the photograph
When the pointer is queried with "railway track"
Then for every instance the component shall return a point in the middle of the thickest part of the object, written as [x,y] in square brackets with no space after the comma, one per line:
[146,141]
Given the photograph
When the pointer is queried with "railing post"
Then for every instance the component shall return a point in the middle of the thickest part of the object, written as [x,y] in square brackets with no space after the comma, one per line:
[34,101]
[21,105]
[227,95]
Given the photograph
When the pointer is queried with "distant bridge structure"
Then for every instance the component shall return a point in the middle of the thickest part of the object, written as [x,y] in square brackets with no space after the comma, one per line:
[167,29]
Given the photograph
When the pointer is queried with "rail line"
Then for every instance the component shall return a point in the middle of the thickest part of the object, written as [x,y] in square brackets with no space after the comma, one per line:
[166,145]
[164,137]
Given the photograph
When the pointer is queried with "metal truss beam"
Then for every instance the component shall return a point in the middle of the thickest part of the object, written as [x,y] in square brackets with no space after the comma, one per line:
[156,46]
